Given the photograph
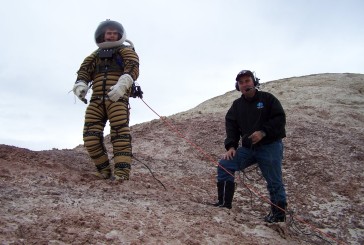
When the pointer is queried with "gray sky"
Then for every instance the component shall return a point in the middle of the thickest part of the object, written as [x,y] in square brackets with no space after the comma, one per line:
[189,50]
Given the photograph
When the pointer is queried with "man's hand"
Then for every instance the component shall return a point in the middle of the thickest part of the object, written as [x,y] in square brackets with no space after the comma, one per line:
[119,89]
[80,89]
[257,136]
[229,155]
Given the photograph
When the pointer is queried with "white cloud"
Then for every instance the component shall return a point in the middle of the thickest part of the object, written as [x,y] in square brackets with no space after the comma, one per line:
[189,52]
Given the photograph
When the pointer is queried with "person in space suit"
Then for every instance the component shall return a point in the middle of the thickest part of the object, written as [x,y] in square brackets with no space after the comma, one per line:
[110,71]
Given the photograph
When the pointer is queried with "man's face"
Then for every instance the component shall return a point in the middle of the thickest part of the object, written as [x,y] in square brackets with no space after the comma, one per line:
[111,35]
[245,82]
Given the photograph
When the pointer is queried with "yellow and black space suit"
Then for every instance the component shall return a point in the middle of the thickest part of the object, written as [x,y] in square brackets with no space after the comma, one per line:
[110,71]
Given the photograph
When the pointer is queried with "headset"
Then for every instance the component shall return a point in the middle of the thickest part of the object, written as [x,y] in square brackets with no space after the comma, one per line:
[249,73]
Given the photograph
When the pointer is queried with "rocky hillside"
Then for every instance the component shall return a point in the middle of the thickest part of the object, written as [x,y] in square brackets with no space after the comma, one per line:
[52,197]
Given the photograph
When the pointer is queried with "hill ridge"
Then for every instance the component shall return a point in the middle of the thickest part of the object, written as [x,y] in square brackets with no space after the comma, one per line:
[52,196]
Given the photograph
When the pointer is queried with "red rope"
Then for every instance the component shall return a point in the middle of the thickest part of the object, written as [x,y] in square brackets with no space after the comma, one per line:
[173,128]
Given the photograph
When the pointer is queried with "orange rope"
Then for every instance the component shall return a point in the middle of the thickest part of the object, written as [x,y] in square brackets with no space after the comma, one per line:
[173,128]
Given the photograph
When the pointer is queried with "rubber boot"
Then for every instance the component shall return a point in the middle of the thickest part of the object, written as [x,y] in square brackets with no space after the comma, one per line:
[225,192]
[276,214]
[220,194]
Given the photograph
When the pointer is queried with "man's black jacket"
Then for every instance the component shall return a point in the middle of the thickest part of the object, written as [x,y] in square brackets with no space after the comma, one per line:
[262,112]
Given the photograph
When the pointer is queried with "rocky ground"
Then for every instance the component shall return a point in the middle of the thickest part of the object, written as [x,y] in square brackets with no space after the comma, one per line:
[52,197]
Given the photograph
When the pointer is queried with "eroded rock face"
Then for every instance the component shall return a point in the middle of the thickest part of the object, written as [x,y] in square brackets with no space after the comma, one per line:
[52,197]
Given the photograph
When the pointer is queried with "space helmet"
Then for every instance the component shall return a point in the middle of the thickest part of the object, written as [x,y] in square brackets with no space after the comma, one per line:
[100,34]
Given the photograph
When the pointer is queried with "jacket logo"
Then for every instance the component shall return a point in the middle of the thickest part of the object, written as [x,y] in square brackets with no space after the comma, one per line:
[260,105]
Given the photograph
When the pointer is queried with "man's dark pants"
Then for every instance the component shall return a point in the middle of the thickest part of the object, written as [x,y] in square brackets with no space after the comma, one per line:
[269,159]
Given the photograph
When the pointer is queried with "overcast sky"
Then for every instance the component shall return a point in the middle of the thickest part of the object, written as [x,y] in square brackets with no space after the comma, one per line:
[189,50]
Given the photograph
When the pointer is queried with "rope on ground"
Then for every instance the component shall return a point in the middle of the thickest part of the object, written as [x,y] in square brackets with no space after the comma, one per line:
[150,171]
[291,222]
[317,239]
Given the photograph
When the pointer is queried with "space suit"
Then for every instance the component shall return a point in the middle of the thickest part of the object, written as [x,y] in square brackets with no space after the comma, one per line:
[110,71]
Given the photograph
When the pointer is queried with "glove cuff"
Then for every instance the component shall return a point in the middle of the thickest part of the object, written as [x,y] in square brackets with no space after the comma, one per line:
[81,81]
[126,79]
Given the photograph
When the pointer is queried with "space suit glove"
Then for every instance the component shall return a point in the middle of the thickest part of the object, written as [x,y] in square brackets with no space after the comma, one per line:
[121,87]
[80,89]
